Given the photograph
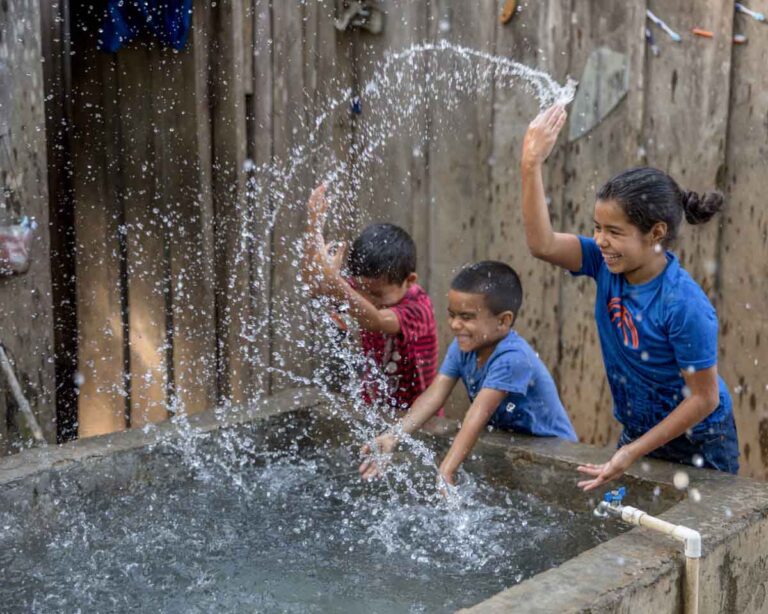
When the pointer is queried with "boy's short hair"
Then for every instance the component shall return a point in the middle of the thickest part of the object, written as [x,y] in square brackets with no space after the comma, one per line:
[383,250]
[497,281]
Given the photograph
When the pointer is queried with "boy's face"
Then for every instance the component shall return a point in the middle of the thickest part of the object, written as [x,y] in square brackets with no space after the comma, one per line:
[382,292]
[625,247]
[473,324]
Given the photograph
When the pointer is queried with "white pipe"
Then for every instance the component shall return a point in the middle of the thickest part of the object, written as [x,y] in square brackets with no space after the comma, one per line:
[21,401]
[691,585]
[689,537]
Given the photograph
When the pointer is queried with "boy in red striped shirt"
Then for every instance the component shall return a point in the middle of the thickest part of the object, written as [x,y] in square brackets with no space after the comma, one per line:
[395,315]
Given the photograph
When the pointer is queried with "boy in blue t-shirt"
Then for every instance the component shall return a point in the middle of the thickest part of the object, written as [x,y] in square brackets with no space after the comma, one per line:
[510,388]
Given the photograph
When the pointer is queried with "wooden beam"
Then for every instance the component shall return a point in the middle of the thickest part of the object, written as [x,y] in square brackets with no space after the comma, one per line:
[260,150]
[228,112]
[291,92]
[459,153]
[684,139]
[98,211]
[743,258]
[145,237]
[26,311]
[57,68]
[537,36]
[607,149]
[183,147]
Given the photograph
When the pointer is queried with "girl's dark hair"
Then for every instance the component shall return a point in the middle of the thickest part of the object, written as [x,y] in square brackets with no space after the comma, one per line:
[497,281]
[383,250]
[649,196]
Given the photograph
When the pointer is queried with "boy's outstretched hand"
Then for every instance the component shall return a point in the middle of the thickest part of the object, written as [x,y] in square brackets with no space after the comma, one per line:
[542,134]
[317,209]
[613,469]
[384,445]
[321,263]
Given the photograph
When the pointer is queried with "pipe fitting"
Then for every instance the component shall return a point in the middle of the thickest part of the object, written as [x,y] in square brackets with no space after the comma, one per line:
[692,540]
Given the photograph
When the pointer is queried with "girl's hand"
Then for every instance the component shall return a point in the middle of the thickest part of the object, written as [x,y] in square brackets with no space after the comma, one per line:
[372,466]
[542,134]
[613,469]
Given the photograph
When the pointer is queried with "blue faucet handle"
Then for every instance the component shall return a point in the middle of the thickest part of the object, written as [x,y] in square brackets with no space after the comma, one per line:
[615,495]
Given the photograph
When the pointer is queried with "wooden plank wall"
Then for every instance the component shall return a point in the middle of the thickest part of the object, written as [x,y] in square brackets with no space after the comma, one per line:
[26,314]
[448,175]
[607,149]
[144,222]
[743,255]
[541,39]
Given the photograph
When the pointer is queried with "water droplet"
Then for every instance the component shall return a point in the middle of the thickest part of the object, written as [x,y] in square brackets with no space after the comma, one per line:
[681,480]
[698,460]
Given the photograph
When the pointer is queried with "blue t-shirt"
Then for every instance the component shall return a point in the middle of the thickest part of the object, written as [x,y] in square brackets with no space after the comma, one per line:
[650,333]
[532,405]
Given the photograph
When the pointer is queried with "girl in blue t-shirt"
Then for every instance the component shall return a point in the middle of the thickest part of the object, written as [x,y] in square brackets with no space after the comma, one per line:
[657,328]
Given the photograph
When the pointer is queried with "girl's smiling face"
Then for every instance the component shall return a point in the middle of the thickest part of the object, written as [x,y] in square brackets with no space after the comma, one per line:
[626,249]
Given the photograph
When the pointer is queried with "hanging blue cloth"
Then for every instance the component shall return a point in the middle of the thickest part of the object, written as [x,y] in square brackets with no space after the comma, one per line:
[168,20]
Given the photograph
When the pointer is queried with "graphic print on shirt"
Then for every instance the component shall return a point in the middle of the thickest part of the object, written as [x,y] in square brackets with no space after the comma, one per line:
[621,316]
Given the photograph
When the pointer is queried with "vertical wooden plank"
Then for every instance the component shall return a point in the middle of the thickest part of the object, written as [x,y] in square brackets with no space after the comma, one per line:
[684,138]
[289,342]
[144,235]
[57,68]
[329,73]
[183,146]
[538,37]
[26,327]
[260,147]
[458,159]
[608,148]
[101,406]
[248,45]
[229,150]
[390,181]
[311,67]
[743,263]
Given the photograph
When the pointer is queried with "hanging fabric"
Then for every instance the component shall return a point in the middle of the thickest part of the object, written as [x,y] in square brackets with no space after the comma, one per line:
[167,20]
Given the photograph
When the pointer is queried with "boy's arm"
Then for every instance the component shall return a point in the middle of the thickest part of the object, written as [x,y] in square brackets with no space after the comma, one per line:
[703,400]
[312,268]
[555,247]
[363,311]
[423,408]
[480,412]
[321,271]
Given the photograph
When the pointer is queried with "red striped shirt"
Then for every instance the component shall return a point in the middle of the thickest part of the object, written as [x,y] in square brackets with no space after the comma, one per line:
[408,359]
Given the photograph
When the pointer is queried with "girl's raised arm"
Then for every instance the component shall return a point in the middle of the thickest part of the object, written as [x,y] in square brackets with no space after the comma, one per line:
[558,248]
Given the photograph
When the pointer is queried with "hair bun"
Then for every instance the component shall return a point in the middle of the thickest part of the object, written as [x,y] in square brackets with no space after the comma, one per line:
[698,209]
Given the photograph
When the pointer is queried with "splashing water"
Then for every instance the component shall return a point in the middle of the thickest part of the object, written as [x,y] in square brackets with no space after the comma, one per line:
[402,87]
[296,530]
[440,75]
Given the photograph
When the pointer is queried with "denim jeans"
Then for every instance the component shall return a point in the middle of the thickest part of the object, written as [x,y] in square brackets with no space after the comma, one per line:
[717,448]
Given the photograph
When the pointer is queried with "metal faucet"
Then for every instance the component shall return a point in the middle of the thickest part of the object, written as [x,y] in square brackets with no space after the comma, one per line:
[611,503]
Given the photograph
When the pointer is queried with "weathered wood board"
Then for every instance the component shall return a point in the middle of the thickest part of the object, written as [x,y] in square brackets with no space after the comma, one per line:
[743,258]
[459,155]
[607,149]
[537,37]
[26,313]
[686,114]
